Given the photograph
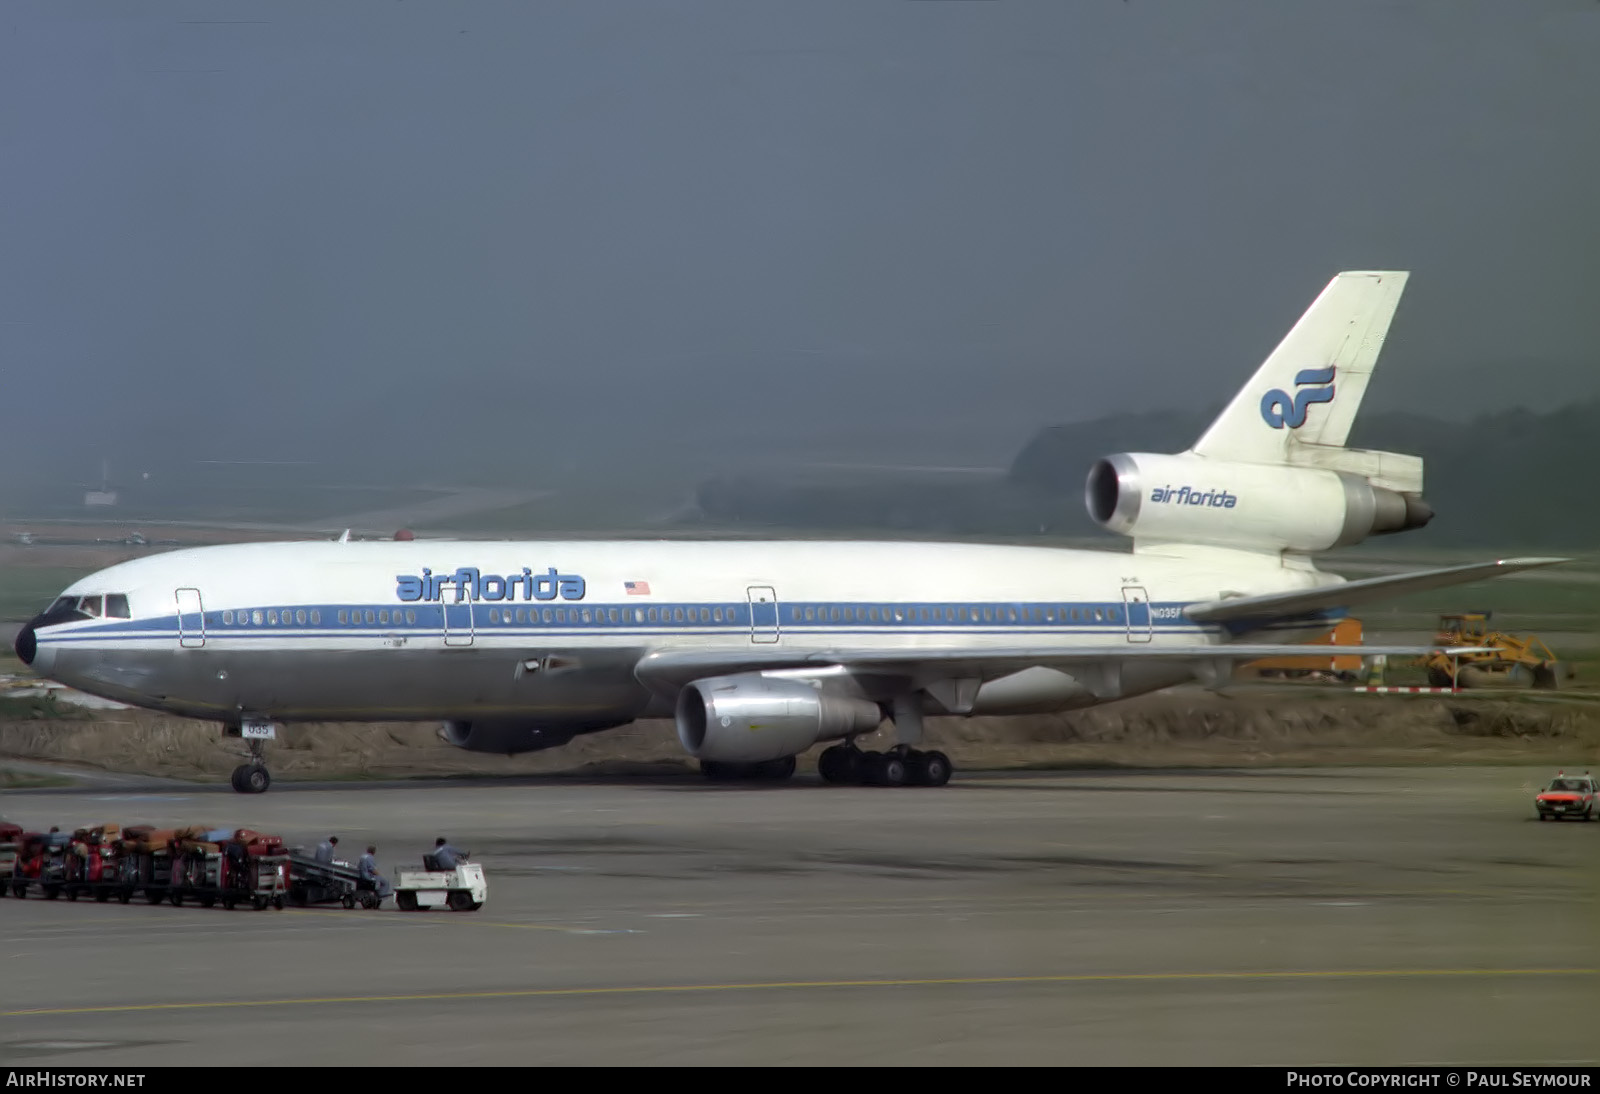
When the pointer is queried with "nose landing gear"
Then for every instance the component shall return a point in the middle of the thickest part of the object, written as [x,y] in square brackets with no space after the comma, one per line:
[252,777]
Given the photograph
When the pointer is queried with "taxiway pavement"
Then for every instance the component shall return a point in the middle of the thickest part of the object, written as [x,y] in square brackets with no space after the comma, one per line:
[1330,916]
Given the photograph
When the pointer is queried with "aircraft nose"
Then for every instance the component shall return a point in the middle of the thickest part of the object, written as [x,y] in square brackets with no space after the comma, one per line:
[27,644]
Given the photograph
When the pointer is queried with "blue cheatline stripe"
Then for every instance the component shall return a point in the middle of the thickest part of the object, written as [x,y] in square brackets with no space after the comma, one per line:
[802,618]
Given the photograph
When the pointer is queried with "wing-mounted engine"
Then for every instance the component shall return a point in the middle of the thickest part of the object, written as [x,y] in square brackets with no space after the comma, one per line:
[1193,499]
[510,738]
[753,718]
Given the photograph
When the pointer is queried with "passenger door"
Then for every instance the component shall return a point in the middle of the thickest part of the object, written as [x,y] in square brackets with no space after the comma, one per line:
[457,620]
[191,619]
[1136,610]
[763,613]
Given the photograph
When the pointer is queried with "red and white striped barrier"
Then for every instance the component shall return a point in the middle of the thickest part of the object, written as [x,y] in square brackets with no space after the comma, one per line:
[1408,691]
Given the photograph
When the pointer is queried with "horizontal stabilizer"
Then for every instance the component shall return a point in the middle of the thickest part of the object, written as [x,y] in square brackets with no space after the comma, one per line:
[1350,593]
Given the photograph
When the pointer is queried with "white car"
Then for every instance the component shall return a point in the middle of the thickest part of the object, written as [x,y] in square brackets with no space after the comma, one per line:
[461,890]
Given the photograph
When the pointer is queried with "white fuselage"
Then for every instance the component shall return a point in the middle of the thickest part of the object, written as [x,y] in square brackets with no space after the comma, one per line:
[442,629]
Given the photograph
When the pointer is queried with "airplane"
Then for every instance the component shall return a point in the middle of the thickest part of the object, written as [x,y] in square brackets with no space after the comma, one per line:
[761,650]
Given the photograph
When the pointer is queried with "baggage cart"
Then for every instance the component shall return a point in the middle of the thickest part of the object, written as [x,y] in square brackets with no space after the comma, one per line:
[461,890]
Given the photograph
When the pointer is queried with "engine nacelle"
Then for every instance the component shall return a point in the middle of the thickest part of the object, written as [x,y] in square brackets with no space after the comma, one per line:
[510,738]
[751,718]
[1190,499]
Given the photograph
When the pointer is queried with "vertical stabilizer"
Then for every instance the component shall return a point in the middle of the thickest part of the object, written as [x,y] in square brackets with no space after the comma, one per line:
[1308,391]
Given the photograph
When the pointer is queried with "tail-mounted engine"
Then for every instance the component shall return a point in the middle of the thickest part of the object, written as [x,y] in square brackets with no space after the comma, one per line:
[1191,499]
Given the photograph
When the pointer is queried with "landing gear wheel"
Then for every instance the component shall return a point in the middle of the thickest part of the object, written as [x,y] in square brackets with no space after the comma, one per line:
[406,902]
[716,772]
[893,771]
[840,764]
[933,769]
[251,779]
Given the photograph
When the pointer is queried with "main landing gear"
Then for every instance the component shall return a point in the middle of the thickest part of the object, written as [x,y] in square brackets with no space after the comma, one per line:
[252,777]
[902,765]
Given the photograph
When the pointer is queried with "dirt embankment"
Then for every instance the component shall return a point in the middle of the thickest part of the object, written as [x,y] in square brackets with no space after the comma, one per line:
[1171,730]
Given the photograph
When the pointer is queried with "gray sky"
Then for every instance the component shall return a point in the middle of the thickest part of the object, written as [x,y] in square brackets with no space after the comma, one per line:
[513,232]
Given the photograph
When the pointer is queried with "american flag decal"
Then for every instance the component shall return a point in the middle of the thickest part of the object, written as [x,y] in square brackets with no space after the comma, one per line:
[637,588]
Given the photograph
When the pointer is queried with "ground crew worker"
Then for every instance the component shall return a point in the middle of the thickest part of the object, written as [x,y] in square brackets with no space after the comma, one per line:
[325,850]
[367,869]
[444,856]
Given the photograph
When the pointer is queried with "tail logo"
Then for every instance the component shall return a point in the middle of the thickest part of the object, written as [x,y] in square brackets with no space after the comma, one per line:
[1312,385]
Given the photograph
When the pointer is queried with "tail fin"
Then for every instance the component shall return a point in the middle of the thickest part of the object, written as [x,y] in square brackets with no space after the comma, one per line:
[1308,391]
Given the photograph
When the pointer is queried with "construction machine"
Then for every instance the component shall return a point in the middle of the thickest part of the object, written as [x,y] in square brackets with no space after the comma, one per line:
[1508,661]
[1346,668]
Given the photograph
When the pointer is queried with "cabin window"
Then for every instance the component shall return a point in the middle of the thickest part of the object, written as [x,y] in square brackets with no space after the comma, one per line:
[117,606]
[1111,614]
[1011,614]
[316,617]
[522,615]
[587,618]
[411,615]
[344,616]
[872,614]
[613,614]
[272,617]
[677,615]
[300,616]
[227,617]
[494,615]
[561,615]
[369,616]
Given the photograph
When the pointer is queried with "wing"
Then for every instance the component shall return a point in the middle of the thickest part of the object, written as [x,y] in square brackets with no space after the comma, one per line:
[1254,610]
[669,670]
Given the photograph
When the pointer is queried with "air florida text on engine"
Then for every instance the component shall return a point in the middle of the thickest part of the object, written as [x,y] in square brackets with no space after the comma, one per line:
[1188,495]
[469,584]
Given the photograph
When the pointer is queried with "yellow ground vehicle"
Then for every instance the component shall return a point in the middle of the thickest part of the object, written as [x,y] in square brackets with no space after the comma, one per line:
[1345,667]
[1514,661]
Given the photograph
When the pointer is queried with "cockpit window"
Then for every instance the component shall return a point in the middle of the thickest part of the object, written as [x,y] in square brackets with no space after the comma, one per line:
[89,605]
[117,606]
[62,604]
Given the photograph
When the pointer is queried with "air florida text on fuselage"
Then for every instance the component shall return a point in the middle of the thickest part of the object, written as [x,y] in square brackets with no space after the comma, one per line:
[470,584]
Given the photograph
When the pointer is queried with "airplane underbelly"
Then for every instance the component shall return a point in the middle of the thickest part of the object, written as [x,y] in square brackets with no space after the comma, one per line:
[375,685]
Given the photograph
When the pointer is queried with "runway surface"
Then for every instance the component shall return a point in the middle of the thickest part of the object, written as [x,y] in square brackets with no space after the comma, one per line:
[1334,916]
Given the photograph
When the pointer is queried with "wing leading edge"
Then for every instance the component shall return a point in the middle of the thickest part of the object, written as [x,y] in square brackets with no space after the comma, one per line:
[1276,606]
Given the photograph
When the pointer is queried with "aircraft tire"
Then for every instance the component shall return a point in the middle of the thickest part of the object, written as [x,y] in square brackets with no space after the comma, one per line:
[255,779]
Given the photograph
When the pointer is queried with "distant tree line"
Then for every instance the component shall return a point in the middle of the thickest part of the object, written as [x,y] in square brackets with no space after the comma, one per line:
[1514,477]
